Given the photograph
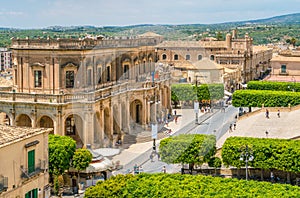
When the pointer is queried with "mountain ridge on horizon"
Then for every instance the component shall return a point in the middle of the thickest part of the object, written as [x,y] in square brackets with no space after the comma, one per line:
[293,18]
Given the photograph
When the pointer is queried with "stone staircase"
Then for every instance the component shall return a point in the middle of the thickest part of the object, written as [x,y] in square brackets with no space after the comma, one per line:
[140,135]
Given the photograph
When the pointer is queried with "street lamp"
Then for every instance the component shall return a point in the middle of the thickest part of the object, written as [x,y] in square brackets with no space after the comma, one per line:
[246,156]
[196,109]
[196,103]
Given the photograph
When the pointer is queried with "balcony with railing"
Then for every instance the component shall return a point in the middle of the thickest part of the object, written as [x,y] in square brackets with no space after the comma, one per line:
[3,183]
[29,172]
[86,95]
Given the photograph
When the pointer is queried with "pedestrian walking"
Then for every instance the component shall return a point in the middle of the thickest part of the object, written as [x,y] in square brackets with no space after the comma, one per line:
[176,119]
[175,113]
[230,128]
[278,113]
[272,177]
[164,169]
[234,126]
[267,113]
[151,156]
[141,169]
[136,169]
[167,123]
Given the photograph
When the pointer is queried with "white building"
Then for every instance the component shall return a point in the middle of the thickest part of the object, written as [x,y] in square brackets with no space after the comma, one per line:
[5,59]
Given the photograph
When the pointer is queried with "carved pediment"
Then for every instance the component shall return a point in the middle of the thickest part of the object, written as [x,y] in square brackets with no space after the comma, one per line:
[70,64]
[37,64]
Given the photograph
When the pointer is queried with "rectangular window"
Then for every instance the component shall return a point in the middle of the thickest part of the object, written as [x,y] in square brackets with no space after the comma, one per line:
[32,194]
[283,69]
[108,73]
[89,77]
[99,74]
[126,71]
[31,161]
[187,57]
[70,126]
[38,78]
[69,79]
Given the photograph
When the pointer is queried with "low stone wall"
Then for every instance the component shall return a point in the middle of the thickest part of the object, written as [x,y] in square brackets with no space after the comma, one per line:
[253,173]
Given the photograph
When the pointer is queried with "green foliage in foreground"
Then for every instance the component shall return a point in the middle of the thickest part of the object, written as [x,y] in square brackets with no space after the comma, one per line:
[275,86]
[255,98]
[81,159]
[176,185]
[61,150]
[188,149]
[280,154]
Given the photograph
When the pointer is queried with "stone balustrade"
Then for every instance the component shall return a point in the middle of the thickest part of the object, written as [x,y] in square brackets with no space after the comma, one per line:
[111,89]
[86,43]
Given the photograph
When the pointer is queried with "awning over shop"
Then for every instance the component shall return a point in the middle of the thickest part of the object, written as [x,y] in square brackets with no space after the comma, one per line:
[243,85]
[227,93]
[103,165]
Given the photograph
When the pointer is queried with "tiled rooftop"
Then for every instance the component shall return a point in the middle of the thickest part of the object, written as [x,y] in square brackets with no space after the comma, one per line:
[10,134]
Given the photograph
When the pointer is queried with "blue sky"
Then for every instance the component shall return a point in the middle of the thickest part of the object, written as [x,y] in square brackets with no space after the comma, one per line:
[44,13]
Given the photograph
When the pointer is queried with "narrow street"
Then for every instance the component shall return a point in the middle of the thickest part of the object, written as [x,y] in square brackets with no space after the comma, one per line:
[211,123]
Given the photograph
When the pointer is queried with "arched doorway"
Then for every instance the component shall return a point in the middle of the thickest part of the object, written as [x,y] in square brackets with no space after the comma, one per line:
[124,117]
[116,120]
[108,138]
[4,119]
[136,111]
[97,130]
[74,129]
[23,120]
[46,122]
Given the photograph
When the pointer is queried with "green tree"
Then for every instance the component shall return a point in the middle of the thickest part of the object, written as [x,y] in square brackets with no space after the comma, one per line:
[219,36]
[176,185]
[81,160]
[268,153]
[61,150]
[188,149]
[293,41]
[215,162]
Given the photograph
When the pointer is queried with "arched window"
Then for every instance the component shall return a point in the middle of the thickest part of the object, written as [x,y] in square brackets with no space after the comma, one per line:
[176,57]
[212,57]
[187,57]
[164,57]
[199,57]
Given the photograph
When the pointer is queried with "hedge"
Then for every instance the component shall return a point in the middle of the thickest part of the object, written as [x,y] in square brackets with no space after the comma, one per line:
[176,185]
[275,86]
[280,154]
[187,148]
[255,98]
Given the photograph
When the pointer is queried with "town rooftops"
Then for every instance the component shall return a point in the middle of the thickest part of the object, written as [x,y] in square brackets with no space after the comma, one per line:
[12,134]
[193,44]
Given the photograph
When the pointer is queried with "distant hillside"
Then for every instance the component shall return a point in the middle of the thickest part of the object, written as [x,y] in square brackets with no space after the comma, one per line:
[276,29]
[283,19]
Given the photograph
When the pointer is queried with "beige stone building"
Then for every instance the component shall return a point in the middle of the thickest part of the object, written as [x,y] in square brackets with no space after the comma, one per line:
[241,60]
[286,66]
[24,162]
[96,90]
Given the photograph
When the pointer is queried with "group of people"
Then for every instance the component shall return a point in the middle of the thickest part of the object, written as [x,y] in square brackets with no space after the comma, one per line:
[139,169]
[205,109]
[268,113]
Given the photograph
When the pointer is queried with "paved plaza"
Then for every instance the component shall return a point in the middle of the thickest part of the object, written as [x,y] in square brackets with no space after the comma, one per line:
[254,125]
